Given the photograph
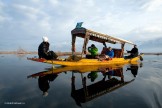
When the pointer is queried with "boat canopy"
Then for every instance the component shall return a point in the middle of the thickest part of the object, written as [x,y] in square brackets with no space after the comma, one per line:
[98,37]
[94,36]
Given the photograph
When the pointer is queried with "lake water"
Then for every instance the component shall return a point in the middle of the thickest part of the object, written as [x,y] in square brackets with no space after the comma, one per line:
[136,86]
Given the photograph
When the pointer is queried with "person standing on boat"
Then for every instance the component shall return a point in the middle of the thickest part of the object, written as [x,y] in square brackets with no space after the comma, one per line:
[93,50]
[133,52]
[43,50]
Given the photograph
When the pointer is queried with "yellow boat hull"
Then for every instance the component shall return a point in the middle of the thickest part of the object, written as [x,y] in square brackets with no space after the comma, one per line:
[85,62]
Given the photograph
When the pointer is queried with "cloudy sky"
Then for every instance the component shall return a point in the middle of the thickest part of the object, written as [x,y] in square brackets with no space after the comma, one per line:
[23,23]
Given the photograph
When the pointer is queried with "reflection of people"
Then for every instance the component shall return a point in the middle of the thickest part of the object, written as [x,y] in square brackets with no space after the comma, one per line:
[109,73]
[92,76]
[43,50]
[133,52]
[93,50]
[43,82]
[134,70]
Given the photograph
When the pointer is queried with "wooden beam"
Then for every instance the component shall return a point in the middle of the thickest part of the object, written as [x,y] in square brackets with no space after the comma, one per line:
[122,48]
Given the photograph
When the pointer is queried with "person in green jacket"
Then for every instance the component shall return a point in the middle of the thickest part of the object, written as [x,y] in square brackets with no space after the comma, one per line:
[93,50]
[93,75]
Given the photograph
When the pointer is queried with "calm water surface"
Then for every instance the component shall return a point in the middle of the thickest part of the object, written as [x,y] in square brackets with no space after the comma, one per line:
[136,86]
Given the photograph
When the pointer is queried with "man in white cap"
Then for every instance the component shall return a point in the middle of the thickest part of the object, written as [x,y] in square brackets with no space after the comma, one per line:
[43,50]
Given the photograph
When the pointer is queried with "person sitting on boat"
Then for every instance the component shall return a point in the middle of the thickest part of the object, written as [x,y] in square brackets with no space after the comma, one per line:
[43,50]
[93,50]
[133,52]
[109,54]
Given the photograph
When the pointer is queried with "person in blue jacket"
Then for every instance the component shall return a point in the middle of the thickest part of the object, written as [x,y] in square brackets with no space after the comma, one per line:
[110,53]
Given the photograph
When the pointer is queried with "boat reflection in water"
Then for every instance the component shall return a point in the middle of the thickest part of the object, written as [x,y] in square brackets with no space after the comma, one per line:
[114,81]
[113,78]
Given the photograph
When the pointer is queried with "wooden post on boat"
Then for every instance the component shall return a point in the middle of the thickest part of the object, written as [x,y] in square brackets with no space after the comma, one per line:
[86,39]
[122,49]
[73,45]
[104,43]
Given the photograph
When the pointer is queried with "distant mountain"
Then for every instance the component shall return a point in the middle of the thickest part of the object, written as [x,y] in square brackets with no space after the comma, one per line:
[152,45]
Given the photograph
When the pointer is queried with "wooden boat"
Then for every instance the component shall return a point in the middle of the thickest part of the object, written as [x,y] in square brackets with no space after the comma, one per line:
[86,62]
[87,34]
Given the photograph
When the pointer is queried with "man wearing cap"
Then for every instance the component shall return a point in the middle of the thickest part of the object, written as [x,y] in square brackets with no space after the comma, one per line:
[133,52]
[43,50]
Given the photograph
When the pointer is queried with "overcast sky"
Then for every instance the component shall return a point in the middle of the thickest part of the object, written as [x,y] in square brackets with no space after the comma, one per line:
[23,23]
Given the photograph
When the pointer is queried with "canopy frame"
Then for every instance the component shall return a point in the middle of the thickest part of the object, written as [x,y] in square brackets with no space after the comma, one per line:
[97,37]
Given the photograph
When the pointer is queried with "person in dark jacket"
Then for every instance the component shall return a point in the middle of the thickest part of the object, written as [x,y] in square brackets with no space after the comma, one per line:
[134,70]
[133,52]
[43,50]
[43,82]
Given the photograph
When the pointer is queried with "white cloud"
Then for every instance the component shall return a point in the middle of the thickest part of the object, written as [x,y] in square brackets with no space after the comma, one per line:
[124,19]
[144,33]
[29,12]
[153,5]
[45,24]
[2,18]
[1,5]
[54,2]
[35,1]
[3,15]
[153,28]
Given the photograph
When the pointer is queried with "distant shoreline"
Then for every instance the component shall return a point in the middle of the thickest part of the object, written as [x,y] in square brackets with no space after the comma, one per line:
[58,53]
[34,52]
[152,53]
